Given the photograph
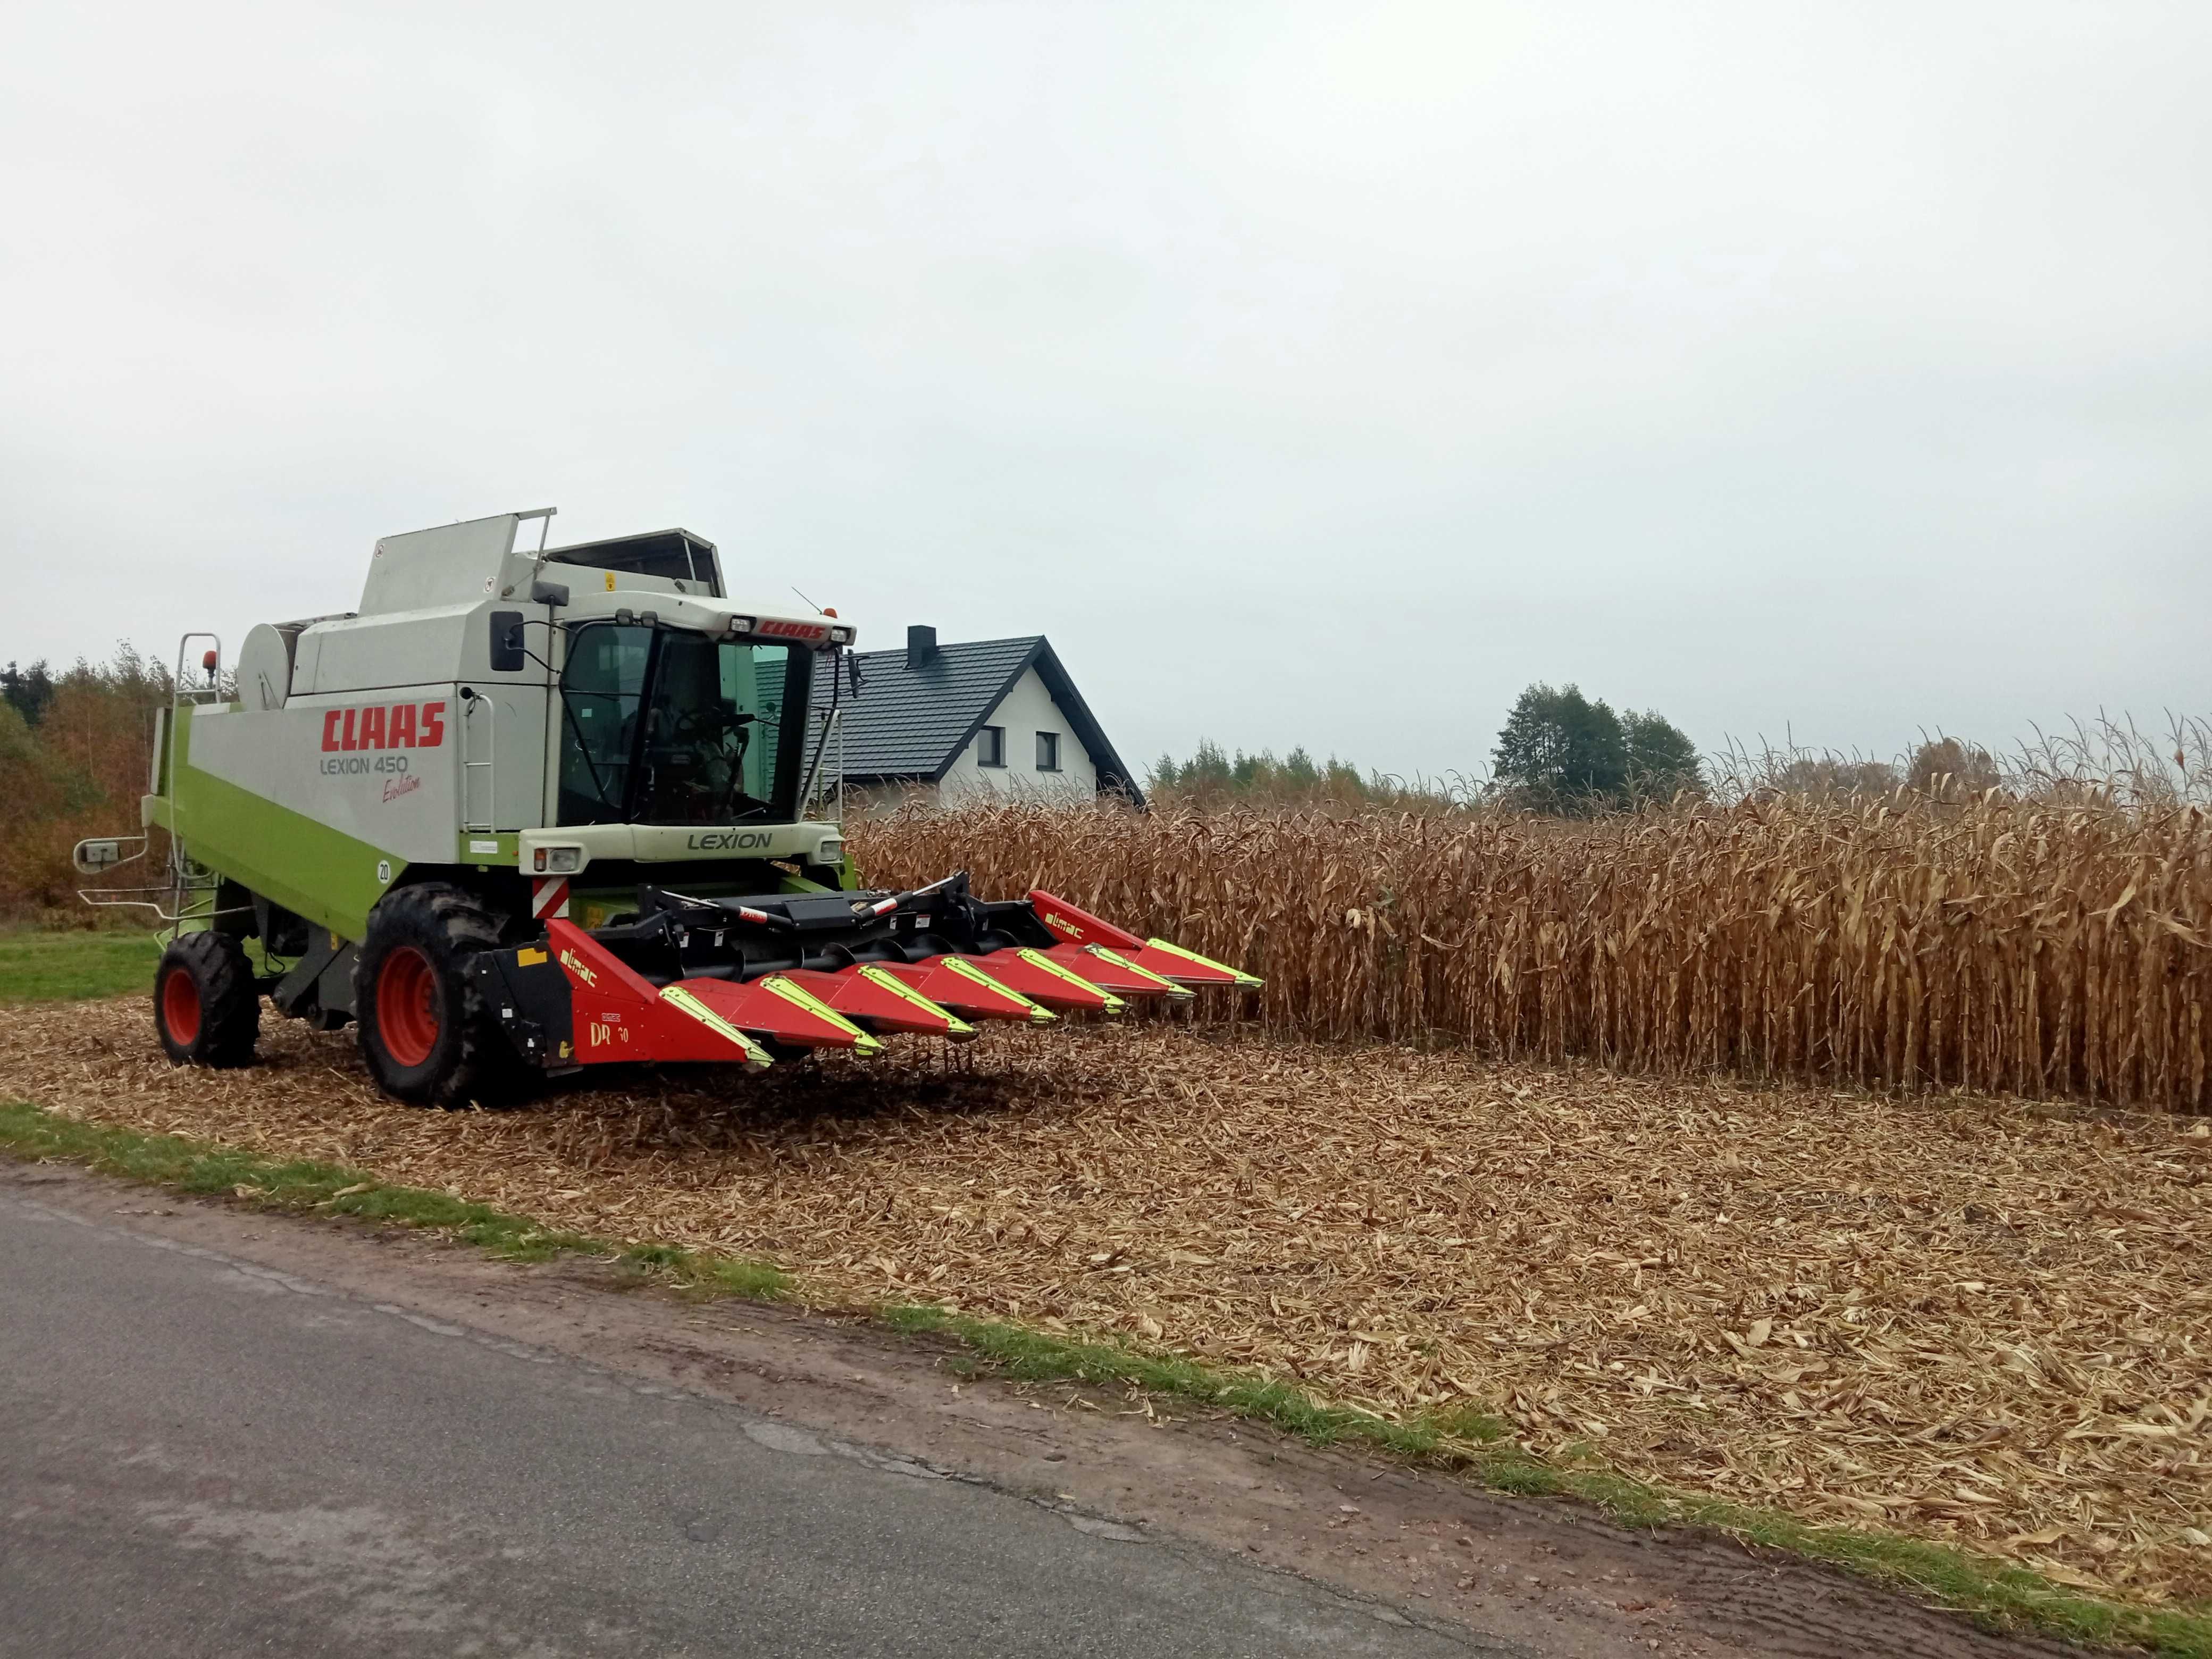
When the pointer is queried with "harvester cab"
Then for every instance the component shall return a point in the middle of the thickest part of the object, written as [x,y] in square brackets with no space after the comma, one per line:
[526,810]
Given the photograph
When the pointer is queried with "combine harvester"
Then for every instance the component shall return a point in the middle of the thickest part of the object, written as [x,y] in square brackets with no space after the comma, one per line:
[527,812]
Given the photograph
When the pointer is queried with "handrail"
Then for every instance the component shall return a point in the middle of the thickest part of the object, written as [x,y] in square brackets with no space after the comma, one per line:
[814,798]
[471,699]
[181,882]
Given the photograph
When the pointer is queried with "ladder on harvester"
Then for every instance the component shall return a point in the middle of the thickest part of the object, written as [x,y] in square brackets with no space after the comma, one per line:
[484,823]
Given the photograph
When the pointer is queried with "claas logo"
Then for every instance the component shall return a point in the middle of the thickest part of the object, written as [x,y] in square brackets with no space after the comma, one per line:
[400,726]
[793,630]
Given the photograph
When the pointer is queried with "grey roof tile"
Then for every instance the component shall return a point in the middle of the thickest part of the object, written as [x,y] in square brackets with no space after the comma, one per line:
[912,722]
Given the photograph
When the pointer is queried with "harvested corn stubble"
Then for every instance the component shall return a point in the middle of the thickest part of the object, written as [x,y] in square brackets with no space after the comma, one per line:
[1970,1318]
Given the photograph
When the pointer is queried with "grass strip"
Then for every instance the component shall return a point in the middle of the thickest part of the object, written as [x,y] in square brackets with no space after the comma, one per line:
[1996,1593]
[211,1170]
[75,966]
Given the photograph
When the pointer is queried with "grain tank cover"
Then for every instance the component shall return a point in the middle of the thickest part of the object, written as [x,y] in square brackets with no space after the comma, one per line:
[453,564]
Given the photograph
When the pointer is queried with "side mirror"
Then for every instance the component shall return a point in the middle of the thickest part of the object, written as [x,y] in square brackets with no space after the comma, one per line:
[507,653]
[92,857]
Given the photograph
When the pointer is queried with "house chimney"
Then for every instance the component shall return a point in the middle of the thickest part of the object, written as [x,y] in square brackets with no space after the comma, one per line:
[920,647]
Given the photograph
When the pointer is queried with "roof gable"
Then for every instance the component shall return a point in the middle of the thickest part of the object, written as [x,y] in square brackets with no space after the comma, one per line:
[914,723]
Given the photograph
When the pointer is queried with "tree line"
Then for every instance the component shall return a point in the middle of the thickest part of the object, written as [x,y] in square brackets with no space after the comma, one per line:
[75,746]
[1558,752]
[1564,754]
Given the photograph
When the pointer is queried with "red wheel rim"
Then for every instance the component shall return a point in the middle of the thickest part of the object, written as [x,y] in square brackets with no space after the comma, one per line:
[180,1007]
[407,1005]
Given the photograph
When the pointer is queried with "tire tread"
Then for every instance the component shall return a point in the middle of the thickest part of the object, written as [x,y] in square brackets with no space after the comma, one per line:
[485,1071]
[230,1004]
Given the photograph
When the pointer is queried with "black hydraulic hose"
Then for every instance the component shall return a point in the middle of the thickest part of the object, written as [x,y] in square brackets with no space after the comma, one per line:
[898,901]
[730,910]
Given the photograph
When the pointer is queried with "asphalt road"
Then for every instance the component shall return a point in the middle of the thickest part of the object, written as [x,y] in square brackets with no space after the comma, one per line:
[202,1456]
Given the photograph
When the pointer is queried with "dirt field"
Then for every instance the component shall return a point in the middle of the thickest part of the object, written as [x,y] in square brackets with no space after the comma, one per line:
[1977,1320]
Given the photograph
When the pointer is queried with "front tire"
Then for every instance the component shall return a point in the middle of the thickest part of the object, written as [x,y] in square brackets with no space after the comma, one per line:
[206,1010]
[426,1031]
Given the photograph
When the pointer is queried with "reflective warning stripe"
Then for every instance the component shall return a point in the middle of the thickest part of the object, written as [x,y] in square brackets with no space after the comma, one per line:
[755,1057]
[1038,1013]
[1244,981]
[954,1025]
[1113,1005]
[799,997]
[1114,958]
[549,898]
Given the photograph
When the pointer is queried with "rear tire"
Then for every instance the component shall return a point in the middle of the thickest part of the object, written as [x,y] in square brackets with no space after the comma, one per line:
[206,1010]
[426,1033]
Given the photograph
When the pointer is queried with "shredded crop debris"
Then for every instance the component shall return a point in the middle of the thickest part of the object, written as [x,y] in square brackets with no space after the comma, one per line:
[1972,1318]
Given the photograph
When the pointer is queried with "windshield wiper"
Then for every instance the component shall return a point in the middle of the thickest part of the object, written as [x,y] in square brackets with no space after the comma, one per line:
[567,709]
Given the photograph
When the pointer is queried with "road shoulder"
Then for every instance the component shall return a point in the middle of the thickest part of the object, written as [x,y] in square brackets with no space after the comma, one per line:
[1551,1577]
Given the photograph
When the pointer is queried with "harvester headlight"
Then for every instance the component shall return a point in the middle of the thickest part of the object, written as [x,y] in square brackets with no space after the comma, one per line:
[831,851]
[557,860]
[742,624]
[841,636]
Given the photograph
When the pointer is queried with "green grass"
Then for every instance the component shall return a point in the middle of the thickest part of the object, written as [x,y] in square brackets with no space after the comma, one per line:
[201,1167]
[71,967]
[1994,1592]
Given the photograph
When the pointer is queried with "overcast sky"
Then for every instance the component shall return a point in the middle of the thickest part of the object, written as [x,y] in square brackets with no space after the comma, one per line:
[1314,374]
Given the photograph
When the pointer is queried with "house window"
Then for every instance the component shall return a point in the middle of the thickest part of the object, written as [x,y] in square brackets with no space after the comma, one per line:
[1047,751]
[991,747]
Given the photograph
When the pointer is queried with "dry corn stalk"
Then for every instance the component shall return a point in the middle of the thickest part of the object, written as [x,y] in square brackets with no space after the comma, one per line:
[2022,947]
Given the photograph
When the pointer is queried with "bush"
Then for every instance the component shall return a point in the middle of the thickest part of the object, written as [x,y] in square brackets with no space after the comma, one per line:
[78,771]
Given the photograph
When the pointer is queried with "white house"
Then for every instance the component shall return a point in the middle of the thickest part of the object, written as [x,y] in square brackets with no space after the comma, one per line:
[983,717]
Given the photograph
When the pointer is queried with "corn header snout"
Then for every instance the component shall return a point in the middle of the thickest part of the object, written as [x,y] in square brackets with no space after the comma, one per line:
[749,978]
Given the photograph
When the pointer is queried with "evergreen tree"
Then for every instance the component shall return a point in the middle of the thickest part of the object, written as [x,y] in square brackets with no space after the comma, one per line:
[1208,767]
[28,690]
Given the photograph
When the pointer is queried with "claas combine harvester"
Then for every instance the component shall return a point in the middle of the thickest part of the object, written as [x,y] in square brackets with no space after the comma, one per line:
[525,812]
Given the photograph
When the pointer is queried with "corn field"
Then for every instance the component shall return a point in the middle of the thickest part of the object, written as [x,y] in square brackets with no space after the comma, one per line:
[1998,944]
